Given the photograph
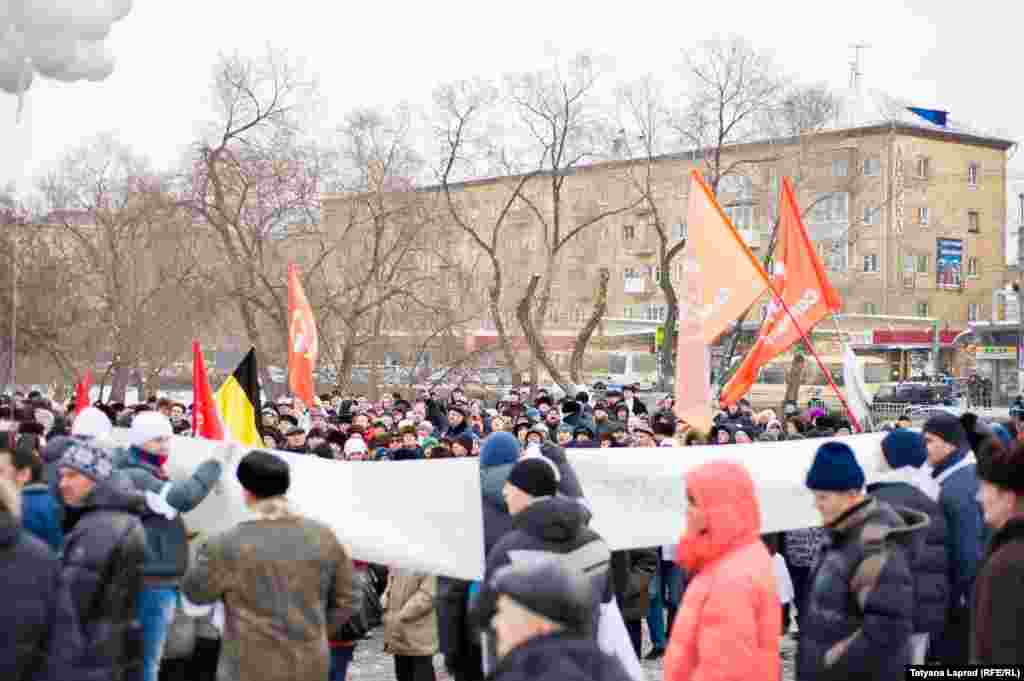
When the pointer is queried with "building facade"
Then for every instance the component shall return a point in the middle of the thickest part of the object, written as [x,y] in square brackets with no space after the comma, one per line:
[908,219]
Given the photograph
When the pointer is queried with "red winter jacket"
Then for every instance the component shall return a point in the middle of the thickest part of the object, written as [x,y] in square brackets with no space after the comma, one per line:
[727,627]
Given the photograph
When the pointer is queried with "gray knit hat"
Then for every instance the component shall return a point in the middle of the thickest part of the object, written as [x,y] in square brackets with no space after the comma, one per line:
[89,459]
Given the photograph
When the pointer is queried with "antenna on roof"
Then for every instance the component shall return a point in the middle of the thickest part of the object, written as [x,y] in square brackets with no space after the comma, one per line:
[855,72]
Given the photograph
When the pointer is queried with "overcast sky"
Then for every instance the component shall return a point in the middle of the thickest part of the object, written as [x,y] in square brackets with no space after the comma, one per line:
[957,56]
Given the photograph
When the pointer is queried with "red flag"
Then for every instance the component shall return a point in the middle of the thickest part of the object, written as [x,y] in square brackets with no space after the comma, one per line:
[302,340]
[82,392]
[799,279]
[205,420]
[731,278]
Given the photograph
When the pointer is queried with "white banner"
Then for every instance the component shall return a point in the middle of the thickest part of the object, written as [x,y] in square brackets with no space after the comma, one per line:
[426,515]
[420,515]
[638,498]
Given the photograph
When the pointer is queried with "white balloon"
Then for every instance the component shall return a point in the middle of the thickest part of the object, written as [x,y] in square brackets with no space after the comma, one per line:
[58,39]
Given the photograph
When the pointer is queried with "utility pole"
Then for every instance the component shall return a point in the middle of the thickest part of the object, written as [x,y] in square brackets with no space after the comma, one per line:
[855,72]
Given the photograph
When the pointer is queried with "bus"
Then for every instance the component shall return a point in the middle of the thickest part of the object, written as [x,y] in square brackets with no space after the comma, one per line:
[770,389]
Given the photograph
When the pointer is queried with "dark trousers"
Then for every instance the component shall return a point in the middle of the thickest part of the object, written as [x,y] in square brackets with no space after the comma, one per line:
[341,658]
[952,647]
[414,668]
[801,578]
[201,666]
[636,635]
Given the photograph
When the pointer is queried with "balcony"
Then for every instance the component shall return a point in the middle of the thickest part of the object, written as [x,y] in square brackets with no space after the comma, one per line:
[636,285]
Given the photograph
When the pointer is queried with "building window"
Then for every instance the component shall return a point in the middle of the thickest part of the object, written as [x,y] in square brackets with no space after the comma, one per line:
[870,215]
[628,232]
[742,216]
[973,222]
[870,308]
[973,266]
[679,231]
[872,166]
[909,263]
[741,185]
[923,215]
[840,167]
[832,207]
[972,175]
[923,168]
[871,262]
[922,264]
[833,254]
[1020,209]
[921,309]
[972,312]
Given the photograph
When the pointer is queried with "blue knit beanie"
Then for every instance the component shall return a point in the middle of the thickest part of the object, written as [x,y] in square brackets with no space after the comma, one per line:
[499,449]
[835,469]
[904,448]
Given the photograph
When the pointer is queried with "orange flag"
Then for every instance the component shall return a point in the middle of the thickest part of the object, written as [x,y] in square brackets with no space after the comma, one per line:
[731,278]
[721,279]
[205,420]
[302,340]
[799,279]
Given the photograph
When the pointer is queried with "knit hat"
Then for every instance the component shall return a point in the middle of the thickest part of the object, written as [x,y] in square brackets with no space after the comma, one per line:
[947,427]
[499,449]
[91,422]
[570,407]
[550,590]
[355,444]
[904,448]
[264,475]
[89,459]
[149,425]
[835,469]
[535,476]
[466,440]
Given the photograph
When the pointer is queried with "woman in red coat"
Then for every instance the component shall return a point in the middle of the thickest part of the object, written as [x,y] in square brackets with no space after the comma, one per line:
[728,624]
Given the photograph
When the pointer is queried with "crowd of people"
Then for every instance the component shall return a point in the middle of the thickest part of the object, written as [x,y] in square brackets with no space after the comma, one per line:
[105,580]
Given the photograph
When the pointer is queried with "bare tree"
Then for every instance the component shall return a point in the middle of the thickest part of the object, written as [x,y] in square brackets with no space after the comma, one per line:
[135,253]
[374,300]
[255,182]
[730,88]
[468,147]
[567,130]
[43,292]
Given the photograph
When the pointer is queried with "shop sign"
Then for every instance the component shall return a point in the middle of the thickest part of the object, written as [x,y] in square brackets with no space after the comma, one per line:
[913,336]
[995,352]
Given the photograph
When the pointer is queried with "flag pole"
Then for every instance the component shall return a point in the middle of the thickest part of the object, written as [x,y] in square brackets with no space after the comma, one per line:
[810,346]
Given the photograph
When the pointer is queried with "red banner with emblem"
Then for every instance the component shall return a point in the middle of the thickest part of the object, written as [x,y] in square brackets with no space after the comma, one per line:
[302,340]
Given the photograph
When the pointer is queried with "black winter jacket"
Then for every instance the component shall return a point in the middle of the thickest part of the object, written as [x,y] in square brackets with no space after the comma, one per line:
[553,528]
[97,633]
[28,593]
[860,605]
[929,564]
[632,572]
[560,657]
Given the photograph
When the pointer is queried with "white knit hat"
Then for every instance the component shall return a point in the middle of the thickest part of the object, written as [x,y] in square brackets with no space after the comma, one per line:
[91,423]
[149,425]
[355,444]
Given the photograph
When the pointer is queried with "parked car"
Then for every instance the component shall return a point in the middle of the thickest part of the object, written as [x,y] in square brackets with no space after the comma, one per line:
[917,394]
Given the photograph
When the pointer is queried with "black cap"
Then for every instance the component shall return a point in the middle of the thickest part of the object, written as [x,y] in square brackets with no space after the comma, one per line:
[535,476]
[551,591]
[263,474]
